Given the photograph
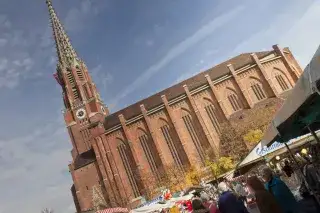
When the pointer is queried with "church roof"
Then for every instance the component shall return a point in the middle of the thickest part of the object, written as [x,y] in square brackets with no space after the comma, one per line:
[177,90]
[84,159]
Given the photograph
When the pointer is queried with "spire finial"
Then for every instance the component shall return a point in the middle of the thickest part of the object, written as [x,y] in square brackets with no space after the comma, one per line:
[65,51]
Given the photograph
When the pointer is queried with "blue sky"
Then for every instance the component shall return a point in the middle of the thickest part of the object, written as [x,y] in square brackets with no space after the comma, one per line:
[133,49]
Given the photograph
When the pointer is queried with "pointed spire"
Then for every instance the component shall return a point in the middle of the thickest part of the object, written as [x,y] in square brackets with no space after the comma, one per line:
[65,51]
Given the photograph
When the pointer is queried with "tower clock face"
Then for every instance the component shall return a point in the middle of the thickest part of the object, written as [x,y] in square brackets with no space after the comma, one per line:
[81,113]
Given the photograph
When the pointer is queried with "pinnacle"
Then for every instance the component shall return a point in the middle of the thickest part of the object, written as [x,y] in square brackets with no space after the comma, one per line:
[65,51]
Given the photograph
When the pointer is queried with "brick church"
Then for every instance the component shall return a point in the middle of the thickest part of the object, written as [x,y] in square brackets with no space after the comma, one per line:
[172,127]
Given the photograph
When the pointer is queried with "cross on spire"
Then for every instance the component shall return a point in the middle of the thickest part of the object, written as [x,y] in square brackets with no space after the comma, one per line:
[65,51]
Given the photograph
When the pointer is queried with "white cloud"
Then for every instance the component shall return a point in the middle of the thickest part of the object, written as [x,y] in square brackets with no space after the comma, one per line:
[304,36]
[185,76]
[211,52]
[3,42]
[101,77]
[11,71]
[4,22]
[295,28]
[177,50]
[77,17]
[149,43]
[35,168]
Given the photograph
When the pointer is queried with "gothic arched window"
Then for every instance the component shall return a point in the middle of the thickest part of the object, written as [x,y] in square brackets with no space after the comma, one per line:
[281,80]
[283,84]
[145,143]
[189,123]
[213,115]
[234,100]
[123,152]
[165,129]
[257,89]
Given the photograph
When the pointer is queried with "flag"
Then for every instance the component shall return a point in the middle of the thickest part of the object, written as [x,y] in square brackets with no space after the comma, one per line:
[55,75]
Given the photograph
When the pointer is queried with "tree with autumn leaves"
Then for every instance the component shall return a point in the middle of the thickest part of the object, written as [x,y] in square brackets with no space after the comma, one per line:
[177,179]
[220,166]
[243,131]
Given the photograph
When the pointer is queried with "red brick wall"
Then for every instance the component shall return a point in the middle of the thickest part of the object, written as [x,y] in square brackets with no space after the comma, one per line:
[84,179]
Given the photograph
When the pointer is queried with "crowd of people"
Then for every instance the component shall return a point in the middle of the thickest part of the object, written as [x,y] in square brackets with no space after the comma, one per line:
[263,190]
[264,193]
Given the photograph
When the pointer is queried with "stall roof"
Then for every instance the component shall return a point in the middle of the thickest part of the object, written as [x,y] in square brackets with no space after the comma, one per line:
[300,108]
[259,151]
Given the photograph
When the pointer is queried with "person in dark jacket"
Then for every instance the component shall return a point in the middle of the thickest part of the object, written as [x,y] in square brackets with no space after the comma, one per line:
[280,190]
[287,169]
[228,202]
[312,176]
[198,207]
[265,201]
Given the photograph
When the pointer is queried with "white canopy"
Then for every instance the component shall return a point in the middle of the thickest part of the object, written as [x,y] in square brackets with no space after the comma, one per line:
[155,207]
[260,151]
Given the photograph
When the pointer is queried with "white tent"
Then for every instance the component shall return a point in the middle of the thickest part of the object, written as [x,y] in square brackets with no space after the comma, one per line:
[155,207]
[260,151]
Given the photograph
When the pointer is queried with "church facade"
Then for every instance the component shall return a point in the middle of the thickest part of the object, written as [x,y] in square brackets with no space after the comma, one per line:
[174,127]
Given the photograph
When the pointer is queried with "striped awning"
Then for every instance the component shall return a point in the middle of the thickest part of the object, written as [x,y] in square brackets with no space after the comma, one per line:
[113,210]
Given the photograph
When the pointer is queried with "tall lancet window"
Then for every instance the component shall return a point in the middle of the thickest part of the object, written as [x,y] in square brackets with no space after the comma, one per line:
[147,149]
[190,126]
[234,100]
[124,155]
[213,115]
[280,80]
[257,89]
[165,129]
[283,84]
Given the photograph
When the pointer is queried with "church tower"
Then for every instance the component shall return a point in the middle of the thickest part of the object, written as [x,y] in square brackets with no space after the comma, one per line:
[82,101]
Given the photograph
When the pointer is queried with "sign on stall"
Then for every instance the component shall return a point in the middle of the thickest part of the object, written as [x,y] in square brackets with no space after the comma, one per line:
[262,151]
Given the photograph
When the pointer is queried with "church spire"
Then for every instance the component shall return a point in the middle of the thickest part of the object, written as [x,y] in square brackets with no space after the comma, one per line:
[65,51]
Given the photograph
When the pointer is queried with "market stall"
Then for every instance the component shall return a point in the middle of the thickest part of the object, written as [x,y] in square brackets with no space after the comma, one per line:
[264,153]
[300,112]
[168,204]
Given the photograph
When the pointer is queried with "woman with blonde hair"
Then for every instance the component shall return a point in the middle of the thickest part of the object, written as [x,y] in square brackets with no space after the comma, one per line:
[265,201]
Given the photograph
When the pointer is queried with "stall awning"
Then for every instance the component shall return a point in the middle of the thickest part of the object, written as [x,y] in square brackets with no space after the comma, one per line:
[259,151]
[301,107]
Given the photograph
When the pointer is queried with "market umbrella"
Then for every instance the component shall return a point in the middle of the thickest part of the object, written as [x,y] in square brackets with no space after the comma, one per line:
[301,108]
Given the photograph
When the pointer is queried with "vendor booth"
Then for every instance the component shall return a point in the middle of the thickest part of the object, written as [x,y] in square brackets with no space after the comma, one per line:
[300,113]
[265,153]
